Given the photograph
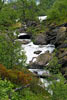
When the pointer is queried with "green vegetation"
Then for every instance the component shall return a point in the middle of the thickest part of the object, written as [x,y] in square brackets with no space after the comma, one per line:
[10,51]
[53,66]
[7,92]
[59,89]
[58,12]
[13,74]
[44,6]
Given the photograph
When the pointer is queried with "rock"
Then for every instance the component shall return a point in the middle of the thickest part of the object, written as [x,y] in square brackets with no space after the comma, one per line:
[21,30]
[62,56]
[56,35]
[24,41]
[41,60]
[65,76]
[40,39]
[37,52]
[31,23]
[44,58]
[24,37]
[64,45]
[41,73]
[64,72]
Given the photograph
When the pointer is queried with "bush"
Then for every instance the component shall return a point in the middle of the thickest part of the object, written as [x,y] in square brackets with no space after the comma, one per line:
[10,51]
[59,89]
[54,66]
[15,76]
[58,13]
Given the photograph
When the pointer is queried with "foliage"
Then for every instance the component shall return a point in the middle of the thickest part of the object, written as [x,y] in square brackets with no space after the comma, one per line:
[26,9]
[10,51]
[44,6]
[15,76]
[7,92]
[29,95]
[5,89]
[1,4]
[20,78]
[54,66]
[8,17]
[58,12]
[39,29]
[59,89]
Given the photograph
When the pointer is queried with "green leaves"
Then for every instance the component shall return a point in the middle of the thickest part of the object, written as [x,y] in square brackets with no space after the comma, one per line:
[5,89]
[59,89]
[10,51]
[45,5]
[8,17]
[58,12]
[54,66]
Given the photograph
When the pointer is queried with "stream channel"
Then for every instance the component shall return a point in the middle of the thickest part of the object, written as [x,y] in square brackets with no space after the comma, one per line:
[29,49]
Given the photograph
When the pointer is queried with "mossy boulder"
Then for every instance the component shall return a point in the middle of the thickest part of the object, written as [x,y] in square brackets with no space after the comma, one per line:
[41,60]
[40,39]
[56,35]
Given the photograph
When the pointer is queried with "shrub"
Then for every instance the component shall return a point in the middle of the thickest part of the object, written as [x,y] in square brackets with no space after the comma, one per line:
[58,13]
[59,89]
[10,51]
[54,66]
[15,76]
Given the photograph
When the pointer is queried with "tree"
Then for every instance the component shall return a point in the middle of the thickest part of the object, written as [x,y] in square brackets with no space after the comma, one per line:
[27,9]
[58,12]
[10,51]
[59,89]
[1,4]
[44,6]
[53,65]
[8,17]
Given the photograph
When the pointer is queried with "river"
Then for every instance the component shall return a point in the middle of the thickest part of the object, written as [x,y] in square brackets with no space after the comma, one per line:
[29,48]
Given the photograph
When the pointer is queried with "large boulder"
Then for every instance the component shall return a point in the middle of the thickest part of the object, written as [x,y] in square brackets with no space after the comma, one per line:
[41,60]
[56,36]
[62,57]
[40,39]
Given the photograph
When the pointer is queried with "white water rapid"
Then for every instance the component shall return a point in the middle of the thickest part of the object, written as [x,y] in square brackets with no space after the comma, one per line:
[29,49]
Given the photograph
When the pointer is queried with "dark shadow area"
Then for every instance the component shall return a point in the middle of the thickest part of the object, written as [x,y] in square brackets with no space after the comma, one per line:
[24,37]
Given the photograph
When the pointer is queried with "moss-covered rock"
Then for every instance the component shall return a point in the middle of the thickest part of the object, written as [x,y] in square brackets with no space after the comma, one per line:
[41,60]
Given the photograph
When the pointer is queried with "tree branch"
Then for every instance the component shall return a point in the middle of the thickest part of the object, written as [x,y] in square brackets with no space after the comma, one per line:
[18,89]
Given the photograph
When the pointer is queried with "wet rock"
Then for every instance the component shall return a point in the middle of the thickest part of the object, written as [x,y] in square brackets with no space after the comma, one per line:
[41,60]
[24,37]
[56,36]
[62,57]
[41,73]
[64,45]
[40,39]
[26,41]
[31,23]
[64,72]
[21,30]
[65,76]
[44,58]
[37,52]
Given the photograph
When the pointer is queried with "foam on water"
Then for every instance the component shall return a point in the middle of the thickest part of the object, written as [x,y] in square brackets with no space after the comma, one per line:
[30,48]
[41,18]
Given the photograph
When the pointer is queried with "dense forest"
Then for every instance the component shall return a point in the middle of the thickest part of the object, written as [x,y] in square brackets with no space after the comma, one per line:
[22,16]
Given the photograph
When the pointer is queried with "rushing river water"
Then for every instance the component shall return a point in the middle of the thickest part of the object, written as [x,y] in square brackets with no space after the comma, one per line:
[29,49]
